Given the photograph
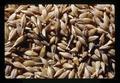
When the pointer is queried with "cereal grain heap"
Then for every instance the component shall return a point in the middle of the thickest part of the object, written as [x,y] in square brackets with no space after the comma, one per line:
[59,41]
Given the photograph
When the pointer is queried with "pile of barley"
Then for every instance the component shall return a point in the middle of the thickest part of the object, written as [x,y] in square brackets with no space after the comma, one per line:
[59,41]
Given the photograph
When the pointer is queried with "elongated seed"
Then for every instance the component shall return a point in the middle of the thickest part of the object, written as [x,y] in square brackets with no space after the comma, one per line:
[71,74]
[58,72]
[13,73]
[67,65]
[64,74]
[66,55]
[18,65]
[31,53]
[42,52]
